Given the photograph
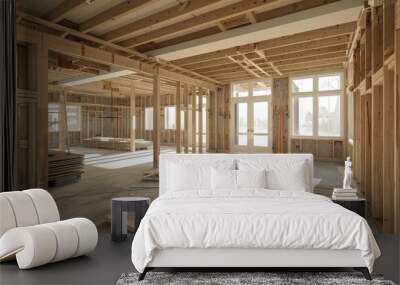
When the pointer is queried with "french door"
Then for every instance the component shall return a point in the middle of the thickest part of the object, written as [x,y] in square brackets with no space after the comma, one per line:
[251,122]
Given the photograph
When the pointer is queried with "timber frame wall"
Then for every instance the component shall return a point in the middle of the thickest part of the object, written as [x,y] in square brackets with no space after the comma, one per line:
[374,83]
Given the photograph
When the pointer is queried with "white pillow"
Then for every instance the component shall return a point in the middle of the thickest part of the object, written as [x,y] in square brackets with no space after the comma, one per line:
[291,178]
[223,179]
[290,175]
[251,178]
[183,178]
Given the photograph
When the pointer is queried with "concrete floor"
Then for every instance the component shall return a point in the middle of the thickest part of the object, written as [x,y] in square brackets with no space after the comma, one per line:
[111,174]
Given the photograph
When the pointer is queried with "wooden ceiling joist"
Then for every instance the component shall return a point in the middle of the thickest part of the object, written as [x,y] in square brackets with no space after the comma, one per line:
[113,13]
[165,15]
[214,16]
[203,79]
[65,7]
[245,67]
[314,35]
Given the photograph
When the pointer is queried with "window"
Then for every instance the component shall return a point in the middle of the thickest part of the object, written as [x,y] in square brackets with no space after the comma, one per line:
[260,89]
[170,118]
[329,116]
[303,116]
[302,85]
[260,121]
[148,120]
[241,124]
[316,106]
[74,118]
[241,90]
[53,117]
[329,83]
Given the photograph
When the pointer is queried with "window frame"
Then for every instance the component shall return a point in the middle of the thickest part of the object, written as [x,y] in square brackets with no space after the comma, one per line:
[315,94]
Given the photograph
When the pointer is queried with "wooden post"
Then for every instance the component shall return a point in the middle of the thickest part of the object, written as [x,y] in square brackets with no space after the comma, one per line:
[194,142]
[397,125]
[376,151]
[178,117]
[42,114]
[62,122]
[186,134]
[200,122]
[156,119]
[388,150]
[133,117]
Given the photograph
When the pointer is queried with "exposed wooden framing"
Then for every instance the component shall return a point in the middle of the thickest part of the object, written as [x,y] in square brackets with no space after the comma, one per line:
[249,61]
[388,151]
[193,127]
[221,26]
[200,121]
[397,124]
[157,18]
[62,120]
[178,116]
[156,120]
[314,36]
[133,118]
[262,55]
[206,18]
[377,151]
[63,9]
[187,127]
[145,67]
[251,17]
[113,13]
[245,67]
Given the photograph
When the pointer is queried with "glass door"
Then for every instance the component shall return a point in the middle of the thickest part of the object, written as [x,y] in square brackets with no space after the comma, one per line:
[251,104]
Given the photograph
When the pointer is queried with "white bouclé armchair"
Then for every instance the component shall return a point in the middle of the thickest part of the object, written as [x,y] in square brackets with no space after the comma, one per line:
[31,230]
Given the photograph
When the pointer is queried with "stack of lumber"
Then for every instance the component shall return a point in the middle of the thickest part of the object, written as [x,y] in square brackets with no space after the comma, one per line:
[64,167]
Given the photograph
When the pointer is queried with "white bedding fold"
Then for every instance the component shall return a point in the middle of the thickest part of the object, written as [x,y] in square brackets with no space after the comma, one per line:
[250,219]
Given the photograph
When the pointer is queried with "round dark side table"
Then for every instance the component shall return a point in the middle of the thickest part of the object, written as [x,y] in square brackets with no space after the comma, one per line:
[120,207]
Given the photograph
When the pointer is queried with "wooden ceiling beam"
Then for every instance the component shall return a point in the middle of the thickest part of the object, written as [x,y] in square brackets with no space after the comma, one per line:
[113,13]
[339,54]
[65,7]
[246,68]
[304,69]
[172,74]
[308,53]
[158,18]
[214,16]
[336,41]
[313,35]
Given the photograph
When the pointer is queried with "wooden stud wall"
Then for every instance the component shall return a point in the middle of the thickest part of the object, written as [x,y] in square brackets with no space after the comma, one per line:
[375,86]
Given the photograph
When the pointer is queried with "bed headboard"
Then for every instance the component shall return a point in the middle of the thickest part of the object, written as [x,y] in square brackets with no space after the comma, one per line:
[209,159]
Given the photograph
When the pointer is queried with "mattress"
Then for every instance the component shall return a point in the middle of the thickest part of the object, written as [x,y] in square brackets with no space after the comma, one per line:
[250,219]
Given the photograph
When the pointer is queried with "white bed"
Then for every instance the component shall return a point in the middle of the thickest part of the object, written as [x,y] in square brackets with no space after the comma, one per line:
[226,226]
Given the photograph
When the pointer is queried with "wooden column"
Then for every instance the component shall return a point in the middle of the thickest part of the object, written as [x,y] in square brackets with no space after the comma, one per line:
[186,133]
[178,117]
[388,150]
[194,142]
[200,122]
[156,119]
[133,117]
[62,122]
[227,99]
[376,151]
[397,124]
[42,114]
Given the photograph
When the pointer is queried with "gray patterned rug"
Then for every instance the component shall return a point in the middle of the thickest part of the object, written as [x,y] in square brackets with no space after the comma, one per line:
[243,278]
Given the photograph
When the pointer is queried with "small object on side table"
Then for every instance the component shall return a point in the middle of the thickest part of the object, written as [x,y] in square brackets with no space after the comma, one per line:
[119,214]
[357,205]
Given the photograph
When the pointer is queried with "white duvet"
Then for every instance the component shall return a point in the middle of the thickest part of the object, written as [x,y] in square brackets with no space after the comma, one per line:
[250,219]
